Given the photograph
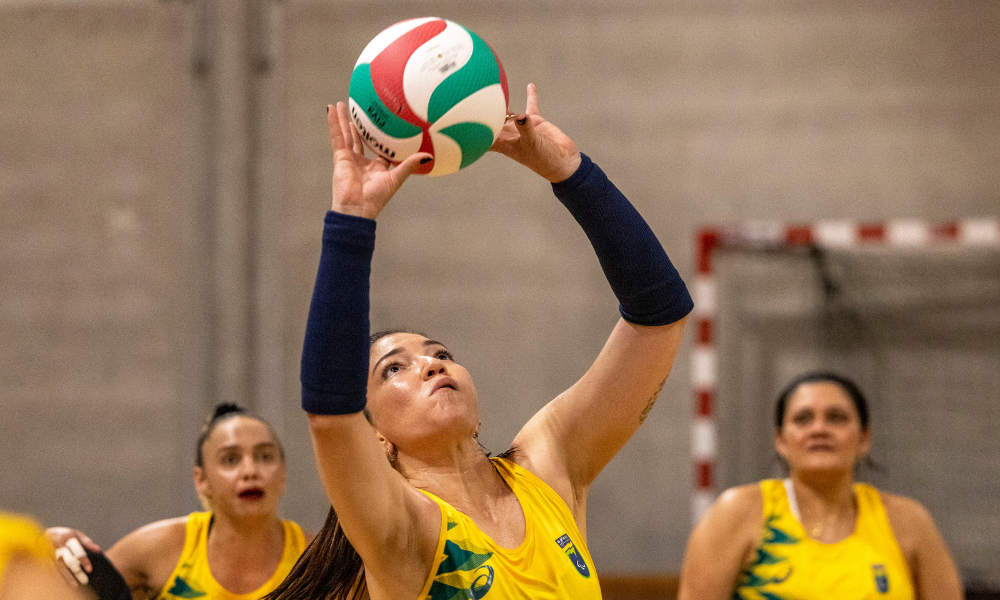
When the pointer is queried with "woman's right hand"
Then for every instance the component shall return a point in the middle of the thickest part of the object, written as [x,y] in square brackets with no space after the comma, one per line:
[72,561]
[361,186]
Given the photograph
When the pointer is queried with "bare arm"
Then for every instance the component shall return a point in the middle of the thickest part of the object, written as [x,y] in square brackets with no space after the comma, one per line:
[393,527]
[720,544]
[935,576]
[575,435]
[146,557]
[572,438]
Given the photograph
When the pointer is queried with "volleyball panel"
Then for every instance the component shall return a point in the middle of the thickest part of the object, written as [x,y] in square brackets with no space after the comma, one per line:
[395,148]
[439,59]
[382,41]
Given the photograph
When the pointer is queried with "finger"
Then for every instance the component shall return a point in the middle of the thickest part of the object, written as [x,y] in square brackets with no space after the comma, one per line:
[333,122]
[359,145]
[409,166]
[346,126]
[525,127]
[532,105]
[73,564]
[87,542]
[79,553]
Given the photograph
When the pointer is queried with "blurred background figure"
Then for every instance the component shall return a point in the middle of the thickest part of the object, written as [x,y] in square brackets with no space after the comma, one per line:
[238,548]
[818,534]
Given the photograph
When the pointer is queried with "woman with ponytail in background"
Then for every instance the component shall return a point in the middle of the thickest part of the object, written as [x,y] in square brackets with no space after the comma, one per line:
[237,549]
[421,511]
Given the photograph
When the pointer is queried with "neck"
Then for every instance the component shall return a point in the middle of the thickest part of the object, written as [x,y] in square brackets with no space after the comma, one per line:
[247,530]
[826,489]
[463,477]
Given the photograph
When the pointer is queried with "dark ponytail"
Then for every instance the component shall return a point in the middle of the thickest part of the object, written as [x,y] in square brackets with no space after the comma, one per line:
[329,569]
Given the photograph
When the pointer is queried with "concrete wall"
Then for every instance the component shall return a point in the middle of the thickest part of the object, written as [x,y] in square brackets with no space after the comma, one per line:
[119,329]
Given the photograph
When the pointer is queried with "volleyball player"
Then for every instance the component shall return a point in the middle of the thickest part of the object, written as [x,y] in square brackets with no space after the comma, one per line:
[425,512]
[818,534]
[238,549]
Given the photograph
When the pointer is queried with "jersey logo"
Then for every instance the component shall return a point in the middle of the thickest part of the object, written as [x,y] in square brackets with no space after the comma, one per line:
[182,589]
[574,555]
[881,578]
[462,574]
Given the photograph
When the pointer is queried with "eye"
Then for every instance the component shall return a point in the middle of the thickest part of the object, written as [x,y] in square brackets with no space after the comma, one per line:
[230,459]
[802,418]
[444,355]
[267,456]
[837,417]
[391,369]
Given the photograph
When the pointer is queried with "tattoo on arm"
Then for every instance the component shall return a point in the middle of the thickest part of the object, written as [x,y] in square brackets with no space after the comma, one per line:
[651,402]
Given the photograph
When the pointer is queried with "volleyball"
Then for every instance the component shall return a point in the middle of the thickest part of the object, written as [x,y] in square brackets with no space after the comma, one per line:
[429,85]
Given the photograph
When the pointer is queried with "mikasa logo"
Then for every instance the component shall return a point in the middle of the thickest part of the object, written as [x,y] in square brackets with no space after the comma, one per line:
[373,143]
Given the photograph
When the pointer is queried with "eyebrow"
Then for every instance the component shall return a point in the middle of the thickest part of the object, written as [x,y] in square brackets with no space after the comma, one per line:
[238,447]
[399,349]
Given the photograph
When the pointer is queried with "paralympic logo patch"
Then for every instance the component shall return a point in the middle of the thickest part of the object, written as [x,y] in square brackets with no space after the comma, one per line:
[574,555]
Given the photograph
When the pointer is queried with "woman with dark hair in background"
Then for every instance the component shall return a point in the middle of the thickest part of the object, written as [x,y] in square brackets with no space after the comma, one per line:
[818,534]
[238,549]
[421,511]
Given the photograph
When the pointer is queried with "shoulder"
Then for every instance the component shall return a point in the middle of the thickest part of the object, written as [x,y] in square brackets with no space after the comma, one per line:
[740,503]
[911,523]
[152,545]
[735,516]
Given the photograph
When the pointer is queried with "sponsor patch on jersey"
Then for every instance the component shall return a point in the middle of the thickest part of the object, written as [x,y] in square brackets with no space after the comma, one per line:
[574,555]
[881,578]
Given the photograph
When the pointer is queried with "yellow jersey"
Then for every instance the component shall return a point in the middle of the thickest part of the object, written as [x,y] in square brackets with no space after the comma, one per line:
[789,565]
[192,577]
[552,563]
[22,536]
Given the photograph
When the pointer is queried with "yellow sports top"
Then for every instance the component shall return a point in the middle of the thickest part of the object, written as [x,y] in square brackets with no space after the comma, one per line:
[22,536]
[551,563]
[192,577]
[789,565]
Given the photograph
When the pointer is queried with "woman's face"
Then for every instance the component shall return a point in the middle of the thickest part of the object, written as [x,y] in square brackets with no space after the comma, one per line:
[243,472]
[418,394]
[821,431]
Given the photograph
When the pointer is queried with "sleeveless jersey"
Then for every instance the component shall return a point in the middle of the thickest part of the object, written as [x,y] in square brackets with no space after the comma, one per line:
[552,563]
[192,577]
[789,565]
[22,536]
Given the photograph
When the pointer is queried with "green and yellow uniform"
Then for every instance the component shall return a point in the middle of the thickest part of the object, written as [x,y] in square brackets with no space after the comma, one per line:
[192,577]
[552,563]
[789,565]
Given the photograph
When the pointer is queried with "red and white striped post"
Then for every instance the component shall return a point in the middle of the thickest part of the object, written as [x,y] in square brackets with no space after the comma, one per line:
[824,234]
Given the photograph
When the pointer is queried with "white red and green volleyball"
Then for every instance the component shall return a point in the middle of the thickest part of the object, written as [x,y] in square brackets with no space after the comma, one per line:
[429,85]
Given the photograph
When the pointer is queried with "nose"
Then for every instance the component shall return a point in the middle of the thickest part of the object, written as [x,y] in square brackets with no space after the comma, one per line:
[249,469]
[434,366]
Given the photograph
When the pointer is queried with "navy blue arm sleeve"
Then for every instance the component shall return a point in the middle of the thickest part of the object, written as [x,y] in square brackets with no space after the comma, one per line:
[647,285]
[335,352]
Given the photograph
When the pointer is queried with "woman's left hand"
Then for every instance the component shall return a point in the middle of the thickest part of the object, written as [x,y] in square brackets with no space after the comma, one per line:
[538,144]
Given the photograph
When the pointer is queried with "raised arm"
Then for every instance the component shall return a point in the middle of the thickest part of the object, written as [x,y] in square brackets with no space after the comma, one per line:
[570,440]
[377,509]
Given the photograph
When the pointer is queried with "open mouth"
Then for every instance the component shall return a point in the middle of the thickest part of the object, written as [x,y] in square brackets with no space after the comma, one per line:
[252,494]
[444,384]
